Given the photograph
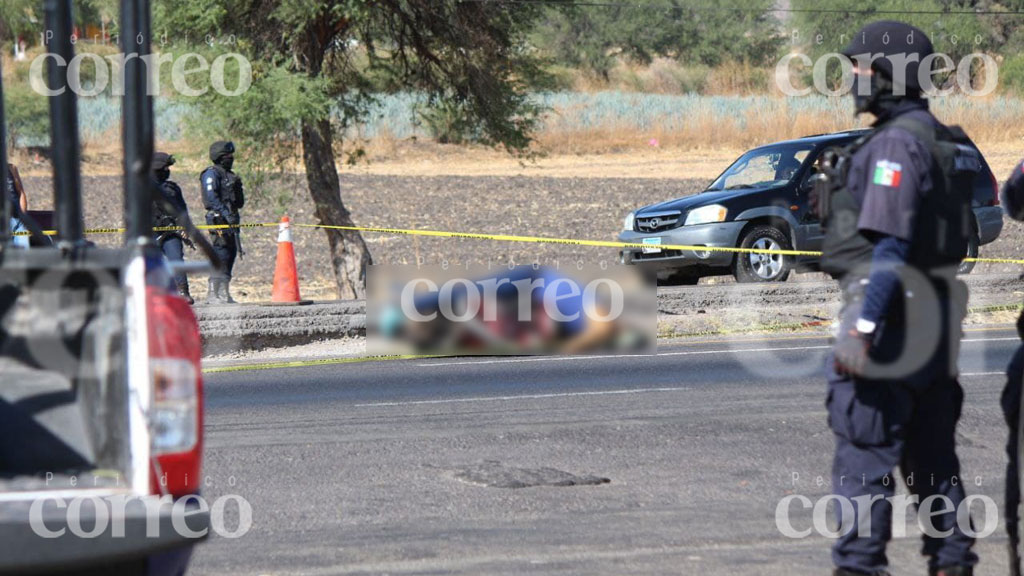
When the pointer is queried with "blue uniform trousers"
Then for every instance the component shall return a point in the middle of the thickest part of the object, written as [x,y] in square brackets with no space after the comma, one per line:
[908,422]
[226,248]
[174,249]
[1010,402]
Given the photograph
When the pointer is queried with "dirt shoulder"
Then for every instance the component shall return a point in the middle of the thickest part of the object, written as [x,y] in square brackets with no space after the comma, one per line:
[580,197]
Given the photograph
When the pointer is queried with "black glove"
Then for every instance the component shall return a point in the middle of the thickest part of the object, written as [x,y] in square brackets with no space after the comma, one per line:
[852,353]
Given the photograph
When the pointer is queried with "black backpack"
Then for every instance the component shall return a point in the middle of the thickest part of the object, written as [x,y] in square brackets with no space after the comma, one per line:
[943,228]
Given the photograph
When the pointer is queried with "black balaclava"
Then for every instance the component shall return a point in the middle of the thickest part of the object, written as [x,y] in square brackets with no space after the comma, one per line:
[162,163]
[222,153]
[879,100]
[226,162]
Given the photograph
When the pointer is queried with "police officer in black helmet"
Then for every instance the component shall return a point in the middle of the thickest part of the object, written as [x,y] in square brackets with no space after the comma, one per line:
[1013,203]
[165,214]
[223,197]
[896,228]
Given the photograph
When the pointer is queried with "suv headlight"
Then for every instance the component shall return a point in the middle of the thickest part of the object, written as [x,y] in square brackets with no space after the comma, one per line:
[706,215]
[627,224]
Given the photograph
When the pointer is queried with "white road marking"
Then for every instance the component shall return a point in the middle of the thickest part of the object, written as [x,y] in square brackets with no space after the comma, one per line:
[571,358]
[686,353]
[522,397]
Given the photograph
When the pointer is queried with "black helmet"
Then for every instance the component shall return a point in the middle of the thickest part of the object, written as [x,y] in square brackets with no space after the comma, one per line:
[162,161]
[221,149]
[890,44]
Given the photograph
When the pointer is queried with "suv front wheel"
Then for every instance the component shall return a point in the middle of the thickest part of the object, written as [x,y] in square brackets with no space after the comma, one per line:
[972,252]
[754,267]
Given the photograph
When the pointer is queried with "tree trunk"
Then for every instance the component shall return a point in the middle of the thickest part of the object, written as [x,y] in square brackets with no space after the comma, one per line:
[349,254]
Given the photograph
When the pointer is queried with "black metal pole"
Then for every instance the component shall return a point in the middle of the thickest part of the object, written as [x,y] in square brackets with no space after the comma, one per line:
[137,121]
[5,204]
[64,140]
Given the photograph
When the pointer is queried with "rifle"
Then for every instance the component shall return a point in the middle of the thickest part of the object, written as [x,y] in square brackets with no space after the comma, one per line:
[238,242]
[824,182]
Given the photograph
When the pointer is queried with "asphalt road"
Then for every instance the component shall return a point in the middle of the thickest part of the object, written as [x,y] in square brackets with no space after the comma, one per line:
[379,467]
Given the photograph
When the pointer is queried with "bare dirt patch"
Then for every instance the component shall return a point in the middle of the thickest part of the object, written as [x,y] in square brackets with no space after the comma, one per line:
[590,207]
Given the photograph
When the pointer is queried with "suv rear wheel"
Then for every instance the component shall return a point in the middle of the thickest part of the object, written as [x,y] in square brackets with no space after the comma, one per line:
[752,267]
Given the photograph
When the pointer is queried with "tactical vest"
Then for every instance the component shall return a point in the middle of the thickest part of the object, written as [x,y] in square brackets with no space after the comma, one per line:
[230,188]
[160,217]
[943,225]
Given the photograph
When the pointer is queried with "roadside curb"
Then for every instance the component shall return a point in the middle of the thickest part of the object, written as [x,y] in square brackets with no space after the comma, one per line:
[247,327]
[256,326]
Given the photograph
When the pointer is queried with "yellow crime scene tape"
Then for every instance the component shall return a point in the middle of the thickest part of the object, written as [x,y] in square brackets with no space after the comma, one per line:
[770,328]
[505,238]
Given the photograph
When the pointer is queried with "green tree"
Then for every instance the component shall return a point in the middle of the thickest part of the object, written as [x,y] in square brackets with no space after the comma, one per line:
[27,114]
[314,59]
[24,18]
[593,35]
[952,33]
[18,18]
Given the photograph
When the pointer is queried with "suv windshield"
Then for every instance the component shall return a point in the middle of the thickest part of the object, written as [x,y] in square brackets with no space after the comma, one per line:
[763,168]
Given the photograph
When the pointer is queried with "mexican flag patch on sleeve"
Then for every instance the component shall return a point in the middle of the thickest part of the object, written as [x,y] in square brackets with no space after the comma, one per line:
[887,173]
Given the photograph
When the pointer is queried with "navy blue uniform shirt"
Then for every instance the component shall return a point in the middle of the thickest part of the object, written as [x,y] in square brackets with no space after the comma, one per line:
[888,177]
[172,193]
[217,195]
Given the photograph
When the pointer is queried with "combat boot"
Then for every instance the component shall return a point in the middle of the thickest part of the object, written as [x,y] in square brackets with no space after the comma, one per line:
[184,291]
[226,295]
[213,293]
[1014,559]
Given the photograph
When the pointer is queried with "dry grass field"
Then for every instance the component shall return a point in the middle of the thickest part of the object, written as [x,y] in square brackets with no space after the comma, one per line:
[597,156]
[467,191]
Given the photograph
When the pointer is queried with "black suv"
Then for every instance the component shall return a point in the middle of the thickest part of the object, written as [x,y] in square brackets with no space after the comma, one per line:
[761,201]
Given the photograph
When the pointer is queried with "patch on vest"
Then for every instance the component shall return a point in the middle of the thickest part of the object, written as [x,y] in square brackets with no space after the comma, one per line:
[887,173]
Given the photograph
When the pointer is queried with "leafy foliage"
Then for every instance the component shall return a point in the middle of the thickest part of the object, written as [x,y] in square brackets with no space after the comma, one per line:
[593,37]
[18,18]
[24,18]
[311,56]
[27,115]
[954,34]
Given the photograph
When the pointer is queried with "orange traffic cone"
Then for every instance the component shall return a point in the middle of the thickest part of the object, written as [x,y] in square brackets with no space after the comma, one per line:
[286,276]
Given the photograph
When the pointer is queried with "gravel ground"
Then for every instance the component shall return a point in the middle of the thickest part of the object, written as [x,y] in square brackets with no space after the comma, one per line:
[585,208]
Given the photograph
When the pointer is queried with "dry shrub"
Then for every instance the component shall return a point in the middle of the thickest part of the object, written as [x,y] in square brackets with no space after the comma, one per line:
[738,78]
[704,127]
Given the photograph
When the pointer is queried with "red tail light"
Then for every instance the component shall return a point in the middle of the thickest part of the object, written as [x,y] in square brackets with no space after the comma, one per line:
[176,414]
[995,190]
